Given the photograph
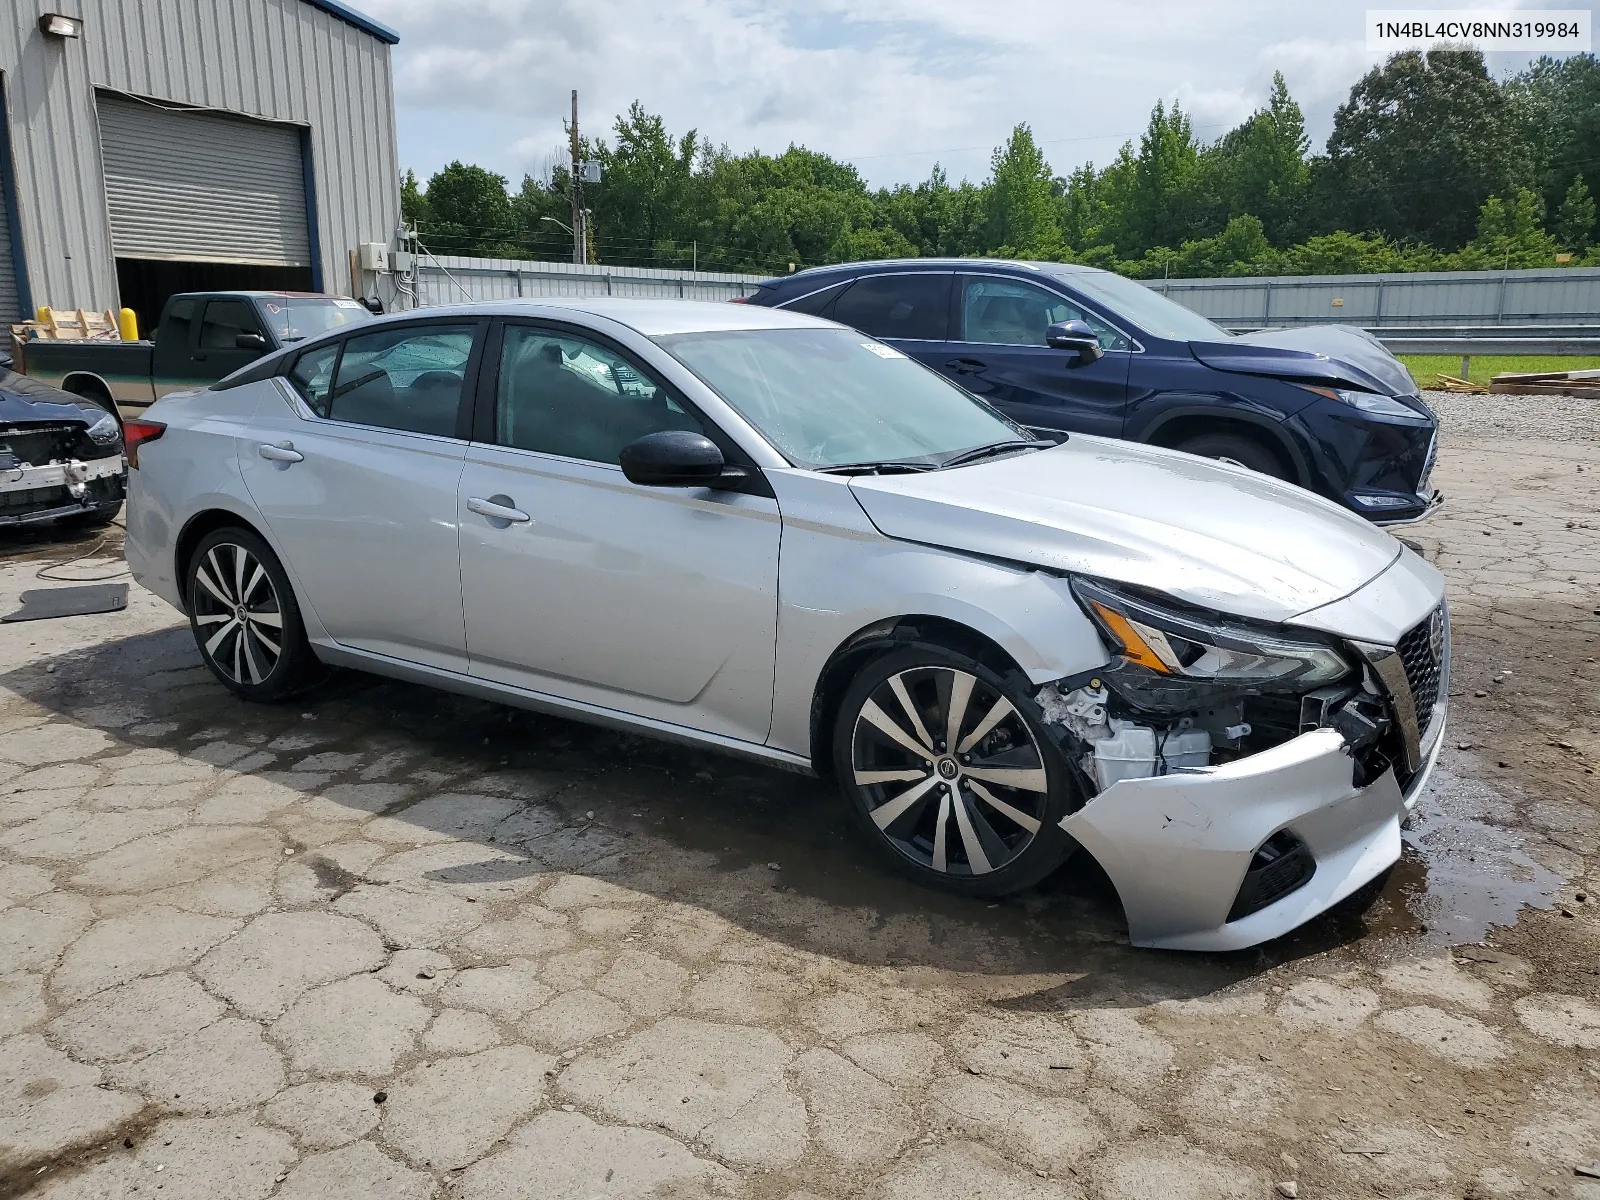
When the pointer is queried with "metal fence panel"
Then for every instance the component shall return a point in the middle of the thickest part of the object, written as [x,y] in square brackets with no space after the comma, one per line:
[451,279]
[1548,296]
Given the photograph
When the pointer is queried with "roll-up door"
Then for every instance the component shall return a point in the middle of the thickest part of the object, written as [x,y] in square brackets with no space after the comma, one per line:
[202,188]
[10,302]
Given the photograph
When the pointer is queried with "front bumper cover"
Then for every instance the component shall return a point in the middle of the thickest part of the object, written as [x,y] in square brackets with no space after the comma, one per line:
[1177,846]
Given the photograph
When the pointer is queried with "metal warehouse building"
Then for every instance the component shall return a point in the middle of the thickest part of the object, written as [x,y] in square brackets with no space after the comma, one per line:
[155,146]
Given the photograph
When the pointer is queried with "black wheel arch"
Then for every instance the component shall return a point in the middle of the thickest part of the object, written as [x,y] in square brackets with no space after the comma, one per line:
[1179,424]
[883,637]
[196,528]
[90,386]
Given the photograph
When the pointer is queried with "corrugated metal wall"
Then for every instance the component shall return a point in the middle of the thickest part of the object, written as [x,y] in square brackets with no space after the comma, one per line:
[449,279]
[1552,296]
[282,60]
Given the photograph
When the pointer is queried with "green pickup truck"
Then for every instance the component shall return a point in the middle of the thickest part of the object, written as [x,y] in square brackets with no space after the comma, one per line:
[201,337]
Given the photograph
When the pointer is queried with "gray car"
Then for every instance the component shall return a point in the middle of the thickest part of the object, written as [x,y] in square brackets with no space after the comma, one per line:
[763,533]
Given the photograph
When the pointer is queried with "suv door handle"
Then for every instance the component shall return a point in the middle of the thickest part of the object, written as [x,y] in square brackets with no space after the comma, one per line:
[965,366]
[497,512]
[283,452]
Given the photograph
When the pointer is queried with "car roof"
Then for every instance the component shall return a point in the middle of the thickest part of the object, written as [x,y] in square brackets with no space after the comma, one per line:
[1021,266]
[650,317]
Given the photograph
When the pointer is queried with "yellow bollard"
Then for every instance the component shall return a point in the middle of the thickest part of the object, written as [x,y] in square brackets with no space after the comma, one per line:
[128,325]
[43,315]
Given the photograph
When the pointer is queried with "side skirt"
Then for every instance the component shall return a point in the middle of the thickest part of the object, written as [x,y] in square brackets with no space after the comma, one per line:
[593,714]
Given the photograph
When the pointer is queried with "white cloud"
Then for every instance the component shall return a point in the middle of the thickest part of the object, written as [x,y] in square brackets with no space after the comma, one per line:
[893,85]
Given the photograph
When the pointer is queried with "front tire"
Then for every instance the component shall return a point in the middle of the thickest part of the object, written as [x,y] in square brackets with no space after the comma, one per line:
[245,619]
[1240,451]
[950,774]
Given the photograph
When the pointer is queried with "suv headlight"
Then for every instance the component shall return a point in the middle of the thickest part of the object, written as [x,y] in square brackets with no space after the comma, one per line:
[1368,402]
[1173,647]
[105,431]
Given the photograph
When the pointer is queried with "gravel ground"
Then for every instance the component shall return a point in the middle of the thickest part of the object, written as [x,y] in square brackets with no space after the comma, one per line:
[389,943]
[1558,418]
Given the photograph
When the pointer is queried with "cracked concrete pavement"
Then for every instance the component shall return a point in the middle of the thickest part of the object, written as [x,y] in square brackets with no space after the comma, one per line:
[384,942]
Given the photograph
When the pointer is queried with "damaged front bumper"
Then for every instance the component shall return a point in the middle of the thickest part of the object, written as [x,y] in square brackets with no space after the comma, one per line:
[1183,848]
[30,494]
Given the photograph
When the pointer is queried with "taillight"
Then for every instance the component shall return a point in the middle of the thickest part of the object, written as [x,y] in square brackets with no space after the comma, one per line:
[739,300]
[136,434]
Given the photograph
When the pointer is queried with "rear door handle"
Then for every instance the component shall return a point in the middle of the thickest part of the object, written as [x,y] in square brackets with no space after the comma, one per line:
[965,366]
[284,452]
[497,512]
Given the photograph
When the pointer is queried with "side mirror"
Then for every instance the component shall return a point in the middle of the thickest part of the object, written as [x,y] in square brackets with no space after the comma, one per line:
[672,458]
[1076,336]
[249,341]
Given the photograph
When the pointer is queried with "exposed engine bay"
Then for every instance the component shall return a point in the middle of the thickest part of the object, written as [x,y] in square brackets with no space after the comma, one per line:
[1111,740]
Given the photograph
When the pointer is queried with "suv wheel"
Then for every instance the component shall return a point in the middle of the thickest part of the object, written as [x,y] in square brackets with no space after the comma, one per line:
[245,619]
[1239,450]
[950,775]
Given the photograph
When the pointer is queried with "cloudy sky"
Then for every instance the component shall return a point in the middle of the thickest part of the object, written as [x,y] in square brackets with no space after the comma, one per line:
[892,85]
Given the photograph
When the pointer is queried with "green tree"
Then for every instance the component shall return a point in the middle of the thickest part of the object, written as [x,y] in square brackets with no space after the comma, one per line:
[1418,147]
[1158,205]
[1556,103]
[413,201]
[1575,220]
[1509,235]
[1260,167]
[469,212]
[643,200]
[1021,209]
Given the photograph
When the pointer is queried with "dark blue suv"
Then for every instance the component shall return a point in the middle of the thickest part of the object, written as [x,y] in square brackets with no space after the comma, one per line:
[1068,349]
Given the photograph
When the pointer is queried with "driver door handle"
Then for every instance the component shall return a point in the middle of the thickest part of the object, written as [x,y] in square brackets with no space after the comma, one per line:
[497,512]
[965,366]
[284,452]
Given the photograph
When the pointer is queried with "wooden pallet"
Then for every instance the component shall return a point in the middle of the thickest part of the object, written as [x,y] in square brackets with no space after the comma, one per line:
[70,325]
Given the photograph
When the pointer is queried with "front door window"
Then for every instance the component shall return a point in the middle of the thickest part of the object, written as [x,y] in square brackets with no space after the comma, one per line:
[1010,312]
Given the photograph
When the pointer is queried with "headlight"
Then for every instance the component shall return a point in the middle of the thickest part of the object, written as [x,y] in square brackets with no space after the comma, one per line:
[105,430]
[1368,402]
[1173,646]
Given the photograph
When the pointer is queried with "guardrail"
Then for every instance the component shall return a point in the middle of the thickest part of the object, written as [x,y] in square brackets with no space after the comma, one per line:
[1487,345]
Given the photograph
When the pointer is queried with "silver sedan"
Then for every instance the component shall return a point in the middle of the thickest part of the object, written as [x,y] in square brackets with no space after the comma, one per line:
[766,534]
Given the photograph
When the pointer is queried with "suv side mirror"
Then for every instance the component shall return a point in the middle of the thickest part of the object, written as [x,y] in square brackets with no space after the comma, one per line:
[249,341]
[1076,336]
[673,458]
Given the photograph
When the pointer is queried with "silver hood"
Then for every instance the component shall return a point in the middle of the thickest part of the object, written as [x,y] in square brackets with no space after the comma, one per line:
[1214,535]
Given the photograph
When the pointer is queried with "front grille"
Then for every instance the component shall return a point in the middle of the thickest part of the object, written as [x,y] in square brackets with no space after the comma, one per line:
[1421,652]
[41,444]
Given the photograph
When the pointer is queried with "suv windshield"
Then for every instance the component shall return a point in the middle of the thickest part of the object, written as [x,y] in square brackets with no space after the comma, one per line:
[1144,307]
[294,318]
[833,398]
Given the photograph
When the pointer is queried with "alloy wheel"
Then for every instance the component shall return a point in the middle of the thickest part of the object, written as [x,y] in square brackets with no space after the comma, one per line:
[949,769]
[238,613]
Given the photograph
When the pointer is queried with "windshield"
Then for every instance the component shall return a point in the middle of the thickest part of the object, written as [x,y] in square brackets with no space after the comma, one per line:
[293,318]
[832,398]
[1144,307]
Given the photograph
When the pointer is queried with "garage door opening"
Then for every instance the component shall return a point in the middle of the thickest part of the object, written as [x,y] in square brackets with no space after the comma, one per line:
[145,283]
[202,201]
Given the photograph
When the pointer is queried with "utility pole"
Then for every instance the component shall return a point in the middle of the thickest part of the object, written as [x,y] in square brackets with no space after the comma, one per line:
[580,242]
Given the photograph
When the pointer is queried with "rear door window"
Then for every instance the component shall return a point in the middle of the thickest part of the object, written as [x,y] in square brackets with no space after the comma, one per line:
[911,307]
[411,378]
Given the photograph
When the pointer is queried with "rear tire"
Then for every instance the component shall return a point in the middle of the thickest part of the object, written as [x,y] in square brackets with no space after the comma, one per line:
[1241,451]
[980,817]
[245,619]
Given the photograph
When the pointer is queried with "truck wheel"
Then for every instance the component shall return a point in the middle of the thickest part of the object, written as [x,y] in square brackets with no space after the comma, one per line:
[1239,450]
[245,619]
